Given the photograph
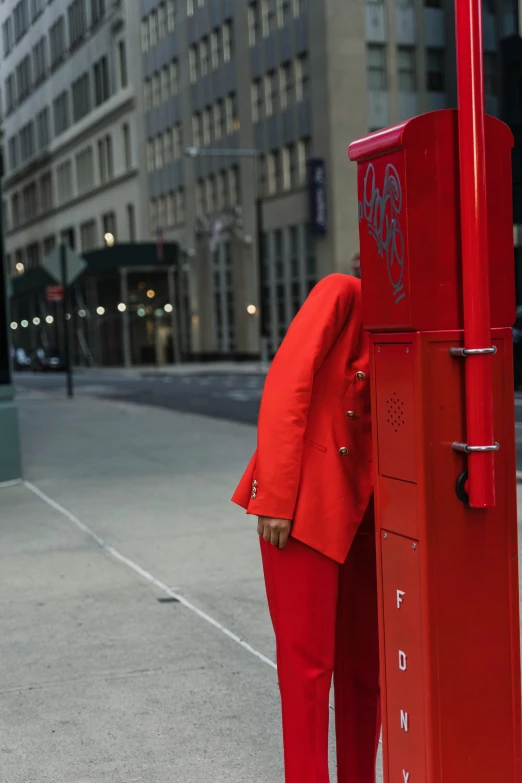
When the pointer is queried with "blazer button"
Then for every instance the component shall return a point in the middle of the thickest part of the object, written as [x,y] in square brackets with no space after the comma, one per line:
[343,451]
[361,376]
[350,414]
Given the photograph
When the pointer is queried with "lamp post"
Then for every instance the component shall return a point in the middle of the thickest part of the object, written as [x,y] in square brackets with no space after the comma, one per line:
[255,154]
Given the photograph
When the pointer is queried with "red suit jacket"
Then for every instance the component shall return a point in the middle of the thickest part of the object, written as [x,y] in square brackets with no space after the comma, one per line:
[314,453]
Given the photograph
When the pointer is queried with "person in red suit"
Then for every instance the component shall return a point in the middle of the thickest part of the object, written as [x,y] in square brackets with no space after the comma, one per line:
[310,485]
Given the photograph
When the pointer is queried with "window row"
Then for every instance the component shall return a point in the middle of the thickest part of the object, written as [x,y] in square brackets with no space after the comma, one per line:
[436,73]
[215,122]
[157,24]
[211,51]
[167,211]
[218,192]
[285,169]
[164,148]
[162,85]
[279,89]
[87,92]
[81,15]
[267,16]
[91,167]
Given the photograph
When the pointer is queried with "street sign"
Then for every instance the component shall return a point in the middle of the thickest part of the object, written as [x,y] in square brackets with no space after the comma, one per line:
[75,265]
[54,293]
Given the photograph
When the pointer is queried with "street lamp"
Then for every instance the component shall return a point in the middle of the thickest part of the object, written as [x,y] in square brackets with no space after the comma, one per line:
[215,152]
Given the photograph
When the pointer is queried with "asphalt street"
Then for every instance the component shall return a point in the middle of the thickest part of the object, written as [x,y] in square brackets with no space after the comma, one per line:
[230,397]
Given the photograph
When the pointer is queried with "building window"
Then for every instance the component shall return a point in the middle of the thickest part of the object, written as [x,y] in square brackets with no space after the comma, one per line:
[13,152]
[407,69]
[162,21]
[144,35]
[214,49]
[436,70]
[127,149]
[10,93]
[165,83]
[153,215]
[255,97]
[77,22]
[209,195]
[15,209]
[377,80]
[285,169]
[302,78]
[286,84]
[171,16]
[206,126]
[85,170]
[7,35]
[39,61]
[158,151]
[190,7]
[26,142]
[171,209]
[270,92]
[131,221]
[203,56]
[231,120]
[156,89]
[97,11]
[271,172]
[81,97]
[193,67]
[265,18]
[46,192]
[218,120]
[298,8]
[200,198]
[23,78]
[196,130]
[180,205]
[105,159]
[253,23]
[57,42]
[42,128]
[176,142]
[293,166]
[287,12]
[433,4]
[21,19]
[61,113]
[221,189]
[122,58]
[109,224]
[167,146]
[101,81]
[153,29]
[162,212]
[174,76]
[303,153]
[227,42]
[88,236]
[33,256]
[64,182]
[151,165]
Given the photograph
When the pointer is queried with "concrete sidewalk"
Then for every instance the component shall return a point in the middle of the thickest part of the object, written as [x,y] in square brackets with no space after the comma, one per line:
[188,368]
[134,636]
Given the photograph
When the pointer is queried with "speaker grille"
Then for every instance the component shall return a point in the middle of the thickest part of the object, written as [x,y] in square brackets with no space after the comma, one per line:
[395,412]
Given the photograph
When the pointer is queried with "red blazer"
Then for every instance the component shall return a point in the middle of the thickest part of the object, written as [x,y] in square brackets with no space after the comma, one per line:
[314,454]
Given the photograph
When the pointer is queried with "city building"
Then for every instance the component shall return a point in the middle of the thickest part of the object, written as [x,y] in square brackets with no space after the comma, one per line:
[71,90]
[290,83]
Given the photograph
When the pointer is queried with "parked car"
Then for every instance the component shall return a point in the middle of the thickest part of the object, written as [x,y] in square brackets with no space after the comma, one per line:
[517,348]
[21,359]
[48,359]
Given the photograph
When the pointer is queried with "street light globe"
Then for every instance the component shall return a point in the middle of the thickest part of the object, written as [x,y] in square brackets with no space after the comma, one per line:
[109,239]
[168,308]
[151,294]
[82,313]
[25,324]
[20,267]
[49,319]
[141,312]
[67,316]
[251,309]
[100,310]
[122,307]
[36,321]
[14,325]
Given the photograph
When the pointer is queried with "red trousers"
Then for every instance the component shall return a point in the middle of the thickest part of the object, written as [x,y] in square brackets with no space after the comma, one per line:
[325,622]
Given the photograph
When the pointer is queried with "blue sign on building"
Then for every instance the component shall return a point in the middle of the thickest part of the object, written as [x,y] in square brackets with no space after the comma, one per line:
[317,195]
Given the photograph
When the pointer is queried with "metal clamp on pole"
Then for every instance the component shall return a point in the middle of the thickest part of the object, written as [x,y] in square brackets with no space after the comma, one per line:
[463,447]
[461,353]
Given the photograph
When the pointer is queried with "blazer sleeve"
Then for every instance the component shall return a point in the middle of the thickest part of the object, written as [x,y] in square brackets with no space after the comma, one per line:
[286,397]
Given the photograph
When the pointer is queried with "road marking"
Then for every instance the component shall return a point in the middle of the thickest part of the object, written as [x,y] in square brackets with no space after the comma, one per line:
[12,483]
[145,574]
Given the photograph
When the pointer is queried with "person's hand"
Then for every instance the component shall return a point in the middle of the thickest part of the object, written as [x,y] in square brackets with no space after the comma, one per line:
[275,531]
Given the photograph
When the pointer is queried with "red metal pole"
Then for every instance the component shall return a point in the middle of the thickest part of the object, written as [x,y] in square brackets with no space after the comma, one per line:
[475,267]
